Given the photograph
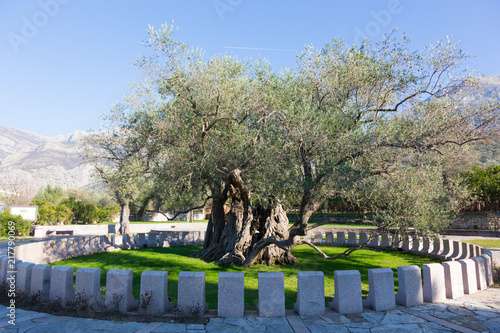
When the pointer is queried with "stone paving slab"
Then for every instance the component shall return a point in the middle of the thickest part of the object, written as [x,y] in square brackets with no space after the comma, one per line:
[479,312]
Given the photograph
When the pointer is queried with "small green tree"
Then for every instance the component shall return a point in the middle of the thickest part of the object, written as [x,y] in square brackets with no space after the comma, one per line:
[485,185]
[13,225]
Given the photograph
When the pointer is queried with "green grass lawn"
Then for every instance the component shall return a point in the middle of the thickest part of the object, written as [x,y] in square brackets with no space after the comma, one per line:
[177,259]
[487,243]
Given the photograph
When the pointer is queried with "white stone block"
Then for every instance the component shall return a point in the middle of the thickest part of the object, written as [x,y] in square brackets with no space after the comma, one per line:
[340,238]
[469,276]
[88,285]
[434,290]
[457,251]
[381,296]
[23,278]
[329,238]
[489,268]
[162,240]
[426,245]
[152,239]
[437,247]
[141,240]
[352,238]
[271,301]
[119,290]
[310,294]
[348,297]
[480,272]
[363,238]
[40,280]
[191,292]
[154,293]
[409,286]
[231,295]
[374,242]
[416,244]
[318,237]
[447,249]
[453,279]
[61,285]
[385,240]
[465,251]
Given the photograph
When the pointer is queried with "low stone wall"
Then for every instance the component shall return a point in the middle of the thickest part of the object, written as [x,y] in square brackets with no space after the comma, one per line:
[99,229]
[468,269]
[483,221]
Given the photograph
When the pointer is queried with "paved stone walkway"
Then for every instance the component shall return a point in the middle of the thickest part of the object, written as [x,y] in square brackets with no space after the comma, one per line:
[476,313]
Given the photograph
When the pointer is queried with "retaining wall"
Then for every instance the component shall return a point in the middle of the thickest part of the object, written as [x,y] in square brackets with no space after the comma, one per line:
[468,269]
[104,229]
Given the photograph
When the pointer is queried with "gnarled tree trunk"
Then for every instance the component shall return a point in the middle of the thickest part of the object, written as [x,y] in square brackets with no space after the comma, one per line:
[231,237]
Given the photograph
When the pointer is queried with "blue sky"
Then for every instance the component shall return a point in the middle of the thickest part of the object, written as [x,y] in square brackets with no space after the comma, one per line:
[63,63]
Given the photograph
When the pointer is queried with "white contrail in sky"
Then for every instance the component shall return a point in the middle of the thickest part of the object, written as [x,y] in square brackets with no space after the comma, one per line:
[257,48]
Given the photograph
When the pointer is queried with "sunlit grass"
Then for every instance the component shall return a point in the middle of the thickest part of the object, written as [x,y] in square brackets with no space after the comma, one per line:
[177,259]
[487,243]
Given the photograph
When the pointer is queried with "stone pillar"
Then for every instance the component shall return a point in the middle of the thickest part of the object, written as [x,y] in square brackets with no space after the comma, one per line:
[340,238]
[271,294]
[141,240]
[469,276]
[152,239]
[480,272]
[318,237]
[407,243]
[374,242]
[453,279]
[457,250]
[329,238]
[191,292]
[381,295]
[162,239]
[410,286]
[489,268]
[88,285]
[23,277]
[426,247]
[434,290]
[348,297]
[119,290]
[352,238]
[154,293]
[310,294]
[40,280]
[447,249]
[61,285]
[416,245]
[386,240]
[465,251]
[231,295]
[363,237]
[437,247]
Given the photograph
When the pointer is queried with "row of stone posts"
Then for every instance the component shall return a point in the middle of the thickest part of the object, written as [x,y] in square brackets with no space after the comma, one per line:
[451,279]
[59,249]
[444,249]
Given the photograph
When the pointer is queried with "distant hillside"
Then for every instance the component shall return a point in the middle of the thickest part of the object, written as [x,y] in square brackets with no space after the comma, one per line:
[37,160]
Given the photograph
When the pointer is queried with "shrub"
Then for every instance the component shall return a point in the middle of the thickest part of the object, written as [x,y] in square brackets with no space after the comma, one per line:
[21,226]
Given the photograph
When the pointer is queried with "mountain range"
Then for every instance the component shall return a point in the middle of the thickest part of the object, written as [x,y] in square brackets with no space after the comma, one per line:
[28,158]
[38,160]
